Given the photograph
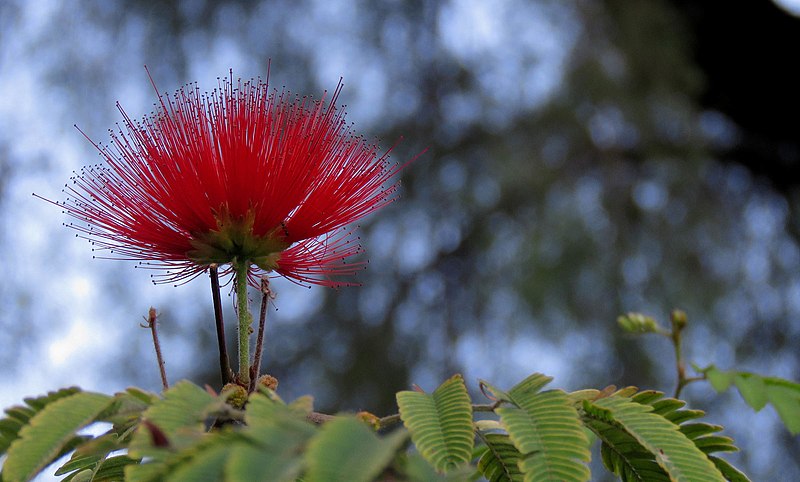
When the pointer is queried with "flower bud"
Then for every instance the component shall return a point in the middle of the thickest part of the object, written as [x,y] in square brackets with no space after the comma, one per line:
[679,319]
[235,395]
[267,381]
[638,323]
[370,419]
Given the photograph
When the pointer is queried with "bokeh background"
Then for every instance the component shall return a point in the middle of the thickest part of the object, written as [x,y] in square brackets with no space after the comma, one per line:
[585,158]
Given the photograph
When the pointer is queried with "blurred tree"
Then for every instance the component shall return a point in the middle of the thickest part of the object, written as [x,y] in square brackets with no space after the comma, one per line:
[744,50]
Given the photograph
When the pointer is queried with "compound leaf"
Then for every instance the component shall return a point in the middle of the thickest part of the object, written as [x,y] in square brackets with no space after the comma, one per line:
[19,416]
[676,454]
[346,449]
[277,434]
[440,423]
[178,417]
[757,391]
[546,429]
[500,459]
[50,433]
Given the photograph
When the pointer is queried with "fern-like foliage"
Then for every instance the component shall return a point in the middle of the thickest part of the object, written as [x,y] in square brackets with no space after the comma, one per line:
[19,415]
[91,460]
[50,433]
[440,423]
[412,467]
[526,434]
[644,438]
[546,430]
[499,459]
[757,391]
[276,435]
[107,469]
[276,442]
[346,449]
[704,435]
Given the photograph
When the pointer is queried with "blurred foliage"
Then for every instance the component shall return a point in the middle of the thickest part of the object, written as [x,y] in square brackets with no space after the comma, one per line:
[573,172]
[526,434]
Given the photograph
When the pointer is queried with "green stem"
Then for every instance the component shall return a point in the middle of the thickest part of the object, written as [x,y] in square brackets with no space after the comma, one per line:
[245,320]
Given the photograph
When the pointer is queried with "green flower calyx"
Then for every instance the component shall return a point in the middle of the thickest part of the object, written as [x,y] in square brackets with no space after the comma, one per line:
[234,241]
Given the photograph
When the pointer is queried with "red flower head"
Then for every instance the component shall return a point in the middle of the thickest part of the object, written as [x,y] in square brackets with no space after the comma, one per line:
[240,174]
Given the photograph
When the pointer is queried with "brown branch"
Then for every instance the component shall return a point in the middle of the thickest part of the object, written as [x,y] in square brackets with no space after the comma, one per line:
[488,407]
[394,419]
[389,420]
[255,369]
[224,361]
[319,418]
[152,324]
[678,323]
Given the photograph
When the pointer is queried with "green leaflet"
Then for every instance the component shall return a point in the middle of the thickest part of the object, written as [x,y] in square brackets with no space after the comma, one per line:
[268,463]
[729,471]
[267,411]
[417,469]
[269,448]
[184,405]
[278,435]
[499,461]
[179,416]
[753,389]
[144,472]
[622,453]
[440,423]
[757,391]
[672,450]
[630,461]
[18,416]
[203,461]
[113,468]
[90,457]
[50,432]
[346,449]
[785,397]
[127,409]
[78,463]
[205,466]
[547,431]
[170,430]
[108,470]
[531,384]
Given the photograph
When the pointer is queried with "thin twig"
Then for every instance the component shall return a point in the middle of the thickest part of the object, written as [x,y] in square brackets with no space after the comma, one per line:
[152,324]
[389,420]
[394,419]
[224,361]
[678,323]
[318,418]
[486,407]
[262,323]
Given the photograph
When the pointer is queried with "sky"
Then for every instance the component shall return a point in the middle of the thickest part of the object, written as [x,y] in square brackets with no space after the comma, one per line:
[69,287]
[791,6]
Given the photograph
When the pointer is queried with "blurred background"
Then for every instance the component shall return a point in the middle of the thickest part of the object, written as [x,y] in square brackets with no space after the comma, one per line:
[585,159]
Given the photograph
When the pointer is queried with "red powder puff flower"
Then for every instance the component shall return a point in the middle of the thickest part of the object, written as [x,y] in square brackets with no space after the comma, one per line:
[243,174]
